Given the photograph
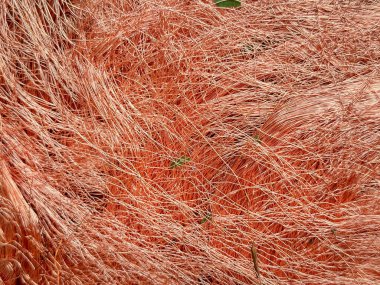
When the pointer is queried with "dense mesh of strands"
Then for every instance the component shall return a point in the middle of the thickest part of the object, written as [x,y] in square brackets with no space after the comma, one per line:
[174,142]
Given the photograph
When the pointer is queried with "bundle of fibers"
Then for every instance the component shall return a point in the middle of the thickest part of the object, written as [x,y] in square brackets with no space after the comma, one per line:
[177,142]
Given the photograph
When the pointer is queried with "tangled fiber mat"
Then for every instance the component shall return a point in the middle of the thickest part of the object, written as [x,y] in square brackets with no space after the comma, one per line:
[177,142]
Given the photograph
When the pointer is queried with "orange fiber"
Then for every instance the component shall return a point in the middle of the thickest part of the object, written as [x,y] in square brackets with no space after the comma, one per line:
[177,142]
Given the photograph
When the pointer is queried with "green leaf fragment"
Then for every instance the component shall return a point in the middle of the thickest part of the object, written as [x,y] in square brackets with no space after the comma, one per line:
[206,218]
[227,3]
[257,138]
[180,161]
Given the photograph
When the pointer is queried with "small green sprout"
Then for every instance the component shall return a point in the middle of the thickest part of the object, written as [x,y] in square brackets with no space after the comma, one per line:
[206,218]
[180,161]
[227,3]
[257,139]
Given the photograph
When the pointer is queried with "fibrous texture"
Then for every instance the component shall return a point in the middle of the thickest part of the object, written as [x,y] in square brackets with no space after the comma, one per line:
[175,142]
